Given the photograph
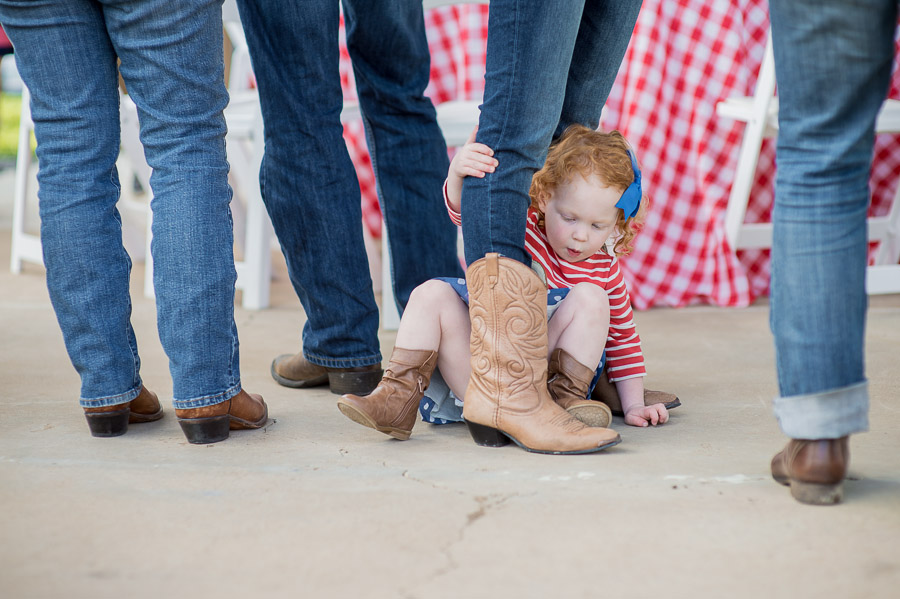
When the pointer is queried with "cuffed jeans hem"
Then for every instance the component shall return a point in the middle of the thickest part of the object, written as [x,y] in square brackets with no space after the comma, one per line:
[111,400]
[827,415]
[343,362]
[206,400]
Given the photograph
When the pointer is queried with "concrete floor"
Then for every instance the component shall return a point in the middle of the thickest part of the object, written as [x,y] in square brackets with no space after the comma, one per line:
[317,506]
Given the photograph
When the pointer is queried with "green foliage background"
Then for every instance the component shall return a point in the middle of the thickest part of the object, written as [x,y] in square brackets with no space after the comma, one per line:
[10,106]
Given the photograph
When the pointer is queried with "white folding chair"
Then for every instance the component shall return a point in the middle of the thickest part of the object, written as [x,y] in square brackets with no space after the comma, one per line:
[760,113]
[245,145]
[26,247]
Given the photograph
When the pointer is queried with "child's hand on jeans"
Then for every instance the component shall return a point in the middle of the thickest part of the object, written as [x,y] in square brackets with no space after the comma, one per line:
[646,415]
[471,160]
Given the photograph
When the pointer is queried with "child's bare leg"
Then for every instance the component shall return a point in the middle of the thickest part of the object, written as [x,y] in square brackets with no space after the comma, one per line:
[580,324]
[577,335]
[436,318]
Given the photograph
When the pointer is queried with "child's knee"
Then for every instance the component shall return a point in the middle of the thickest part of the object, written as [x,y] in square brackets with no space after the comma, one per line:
[433,293]
[589,299]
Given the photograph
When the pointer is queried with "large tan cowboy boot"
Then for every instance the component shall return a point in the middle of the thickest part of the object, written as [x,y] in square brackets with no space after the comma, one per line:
[568,382]
[391,408]
[507,397]
[606,392]
[814,469]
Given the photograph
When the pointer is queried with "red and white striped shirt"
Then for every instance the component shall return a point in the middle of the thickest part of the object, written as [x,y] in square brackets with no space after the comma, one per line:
[624,359]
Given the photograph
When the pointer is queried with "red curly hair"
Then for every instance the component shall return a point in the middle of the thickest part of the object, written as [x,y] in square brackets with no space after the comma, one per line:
[585,152]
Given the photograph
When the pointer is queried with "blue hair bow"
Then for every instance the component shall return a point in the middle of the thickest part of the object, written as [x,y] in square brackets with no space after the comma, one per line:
[630,201]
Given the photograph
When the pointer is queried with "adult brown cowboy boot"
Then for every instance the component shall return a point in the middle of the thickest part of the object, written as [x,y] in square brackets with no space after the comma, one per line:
[391,407]
[607,393]
[211,424]
[112,421]
[507,397]
[814,469]
[568,382]
[295,371]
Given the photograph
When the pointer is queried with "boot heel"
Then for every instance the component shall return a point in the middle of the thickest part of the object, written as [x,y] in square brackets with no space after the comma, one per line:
[815,494]
[108,424]
[201,431]
[486,436]
[354,383]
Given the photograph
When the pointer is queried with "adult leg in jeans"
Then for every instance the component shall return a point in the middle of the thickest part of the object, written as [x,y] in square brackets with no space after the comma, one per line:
[174,70]
[391,63]
[309,184]
[67,61]
[171,65]
[819,248]
[603,36]
[531,53]
[549,65]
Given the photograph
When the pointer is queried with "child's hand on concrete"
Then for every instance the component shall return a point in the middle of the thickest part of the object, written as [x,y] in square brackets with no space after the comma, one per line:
[647,415]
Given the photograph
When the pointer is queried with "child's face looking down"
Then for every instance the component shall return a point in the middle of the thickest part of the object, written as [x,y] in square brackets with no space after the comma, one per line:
[580,216]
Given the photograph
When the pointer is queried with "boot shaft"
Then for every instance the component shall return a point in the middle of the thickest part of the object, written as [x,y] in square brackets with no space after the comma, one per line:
[508,311]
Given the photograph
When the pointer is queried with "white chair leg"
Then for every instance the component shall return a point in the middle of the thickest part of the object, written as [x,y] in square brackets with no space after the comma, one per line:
[889,248]
[750,145]
[24,247]
[255,272]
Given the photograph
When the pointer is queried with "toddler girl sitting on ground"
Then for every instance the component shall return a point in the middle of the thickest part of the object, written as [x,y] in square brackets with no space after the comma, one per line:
[587,194]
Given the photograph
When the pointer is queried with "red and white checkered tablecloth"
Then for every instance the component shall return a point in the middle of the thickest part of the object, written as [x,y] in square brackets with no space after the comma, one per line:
[685,56]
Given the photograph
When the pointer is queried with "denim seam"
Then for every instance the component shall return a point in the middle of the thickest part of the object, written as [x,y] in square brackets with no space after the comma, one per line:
[327,362]
[233,377]
[111,400]
[204,401]
[135,371]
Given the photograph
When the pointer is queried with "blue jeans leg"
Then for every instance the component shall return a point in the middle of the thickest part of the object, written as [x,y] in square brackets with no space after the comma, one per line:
[391,63]
[68,63]
[173,69]
[307,179]
[832,63]
[542,57]
[603,35]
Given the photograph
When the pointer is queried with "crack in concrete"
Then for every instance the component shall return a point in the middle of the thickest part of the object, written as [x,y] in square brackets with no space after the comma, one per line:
[486,504]
[431,484]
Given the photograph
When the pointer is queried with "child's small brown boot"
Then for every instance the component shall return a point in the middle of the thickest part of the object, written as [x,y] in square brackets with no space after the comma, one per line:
[568,381]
